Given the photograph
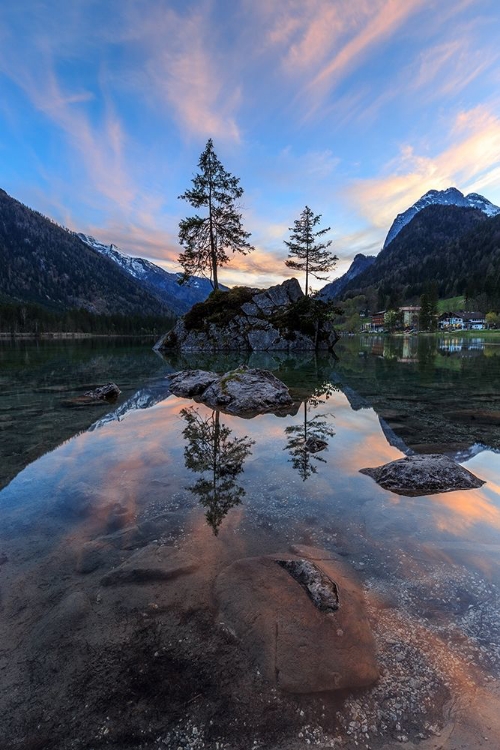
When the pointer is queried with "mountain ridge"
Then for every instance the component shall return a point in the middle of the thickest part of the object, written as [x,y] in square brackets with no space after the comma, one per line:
[456,248]
[449,197]
[159,282]
[334,289]
[48,265]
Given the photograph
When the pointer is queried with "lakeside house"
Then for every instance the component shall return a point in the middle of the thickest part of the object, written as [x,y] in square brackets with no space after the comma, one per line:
[462,321]
[410,315]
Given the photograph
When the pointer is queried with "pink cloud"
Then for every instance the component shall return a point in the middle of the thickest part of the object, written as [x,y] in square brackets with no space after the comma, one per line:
[472,160]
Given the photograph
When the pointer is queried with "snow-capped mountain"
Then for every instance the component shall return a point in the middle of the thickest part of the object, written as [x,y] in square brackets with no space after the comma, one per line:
[335,288]
[449,197]
[158,281]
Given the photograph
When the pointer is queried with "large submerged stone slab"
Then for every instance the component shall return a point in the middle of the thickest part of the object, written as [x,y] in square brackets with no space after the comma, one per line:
[423,475]
[302,618]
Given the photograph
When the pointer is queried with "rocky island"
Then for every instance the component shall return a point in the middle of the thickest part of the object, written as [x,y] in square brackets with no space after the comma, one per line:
[281,318]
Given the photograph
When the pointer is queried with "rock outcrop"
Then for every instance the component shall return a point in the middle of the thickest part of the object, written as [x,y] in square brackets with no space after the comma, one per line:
[302,618]
[243,391]
[280,318]
[423,475]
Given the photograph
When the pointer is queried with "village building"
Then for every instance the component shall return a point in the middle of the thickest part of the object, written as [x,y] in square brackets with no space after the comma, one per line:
[410,316]
[462,321]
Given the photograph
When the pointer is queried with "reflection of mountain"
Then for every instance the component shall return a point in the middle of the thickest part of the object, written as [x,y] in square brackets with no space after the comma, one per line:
[39,377]
[432,395]
[211,452]
[144,398]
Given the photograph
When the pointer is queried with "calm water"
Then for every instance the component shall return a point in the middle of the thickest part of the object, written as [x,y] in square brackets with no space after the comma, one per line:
[85,488]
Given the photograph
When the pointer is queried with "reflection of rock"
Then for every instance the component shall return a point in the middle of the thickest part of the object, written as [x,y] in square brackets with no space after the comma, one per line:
[315,445]
[300,646]
[423,475]
[243,391]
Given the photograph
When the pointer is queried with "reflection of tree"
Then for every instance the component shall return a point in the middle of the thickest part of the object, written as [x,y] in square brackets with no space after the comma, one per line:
[219,458]
[310,437]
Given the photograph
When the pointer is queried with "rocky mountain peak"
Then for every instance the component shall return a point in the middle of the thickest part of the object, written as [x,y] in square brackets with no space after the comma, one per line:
[449,197]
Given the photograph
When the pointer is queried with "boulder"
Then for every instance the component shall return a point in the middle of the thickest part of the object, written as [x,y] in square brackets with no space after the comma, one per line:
[423,475]
[243,391]
[246,319]
[302,618]
[189,383]
[108,392]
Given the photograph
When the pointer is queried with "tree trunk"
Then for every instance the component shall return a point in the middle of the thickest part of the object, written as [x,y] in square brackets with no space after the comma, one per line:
[213,249]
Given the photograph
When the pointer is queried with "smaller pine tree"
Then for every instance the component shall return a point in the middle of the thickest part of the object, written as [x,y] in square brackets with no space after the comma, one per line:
[313,256]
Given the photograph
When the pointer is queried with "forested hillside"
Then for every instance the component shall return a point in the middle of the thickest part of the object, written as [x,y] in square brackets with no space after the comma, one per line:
[456,248]
[45,264]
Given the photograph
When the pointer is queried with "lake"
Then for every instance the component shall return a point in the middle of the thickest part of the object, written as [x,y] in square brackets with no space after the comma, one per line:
[153,483]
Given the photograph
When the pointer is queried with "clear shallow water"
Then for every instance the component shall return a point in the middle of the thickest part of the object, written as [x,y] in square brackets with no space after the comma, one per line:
[166,472]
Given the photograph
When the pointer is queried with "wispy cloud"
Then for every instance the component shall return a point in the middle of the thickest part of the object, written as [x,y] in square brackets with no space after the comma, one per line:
[471,161]
[183,70]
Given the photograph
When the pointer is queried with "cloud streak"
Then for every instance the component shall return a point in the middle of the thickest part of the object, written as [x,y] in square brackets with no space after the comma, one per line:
[471,161]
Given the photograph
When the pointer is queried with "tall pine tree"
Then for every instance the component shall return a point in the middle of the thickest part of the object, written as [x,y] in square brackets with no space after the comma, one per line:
[207,239]
[313,255]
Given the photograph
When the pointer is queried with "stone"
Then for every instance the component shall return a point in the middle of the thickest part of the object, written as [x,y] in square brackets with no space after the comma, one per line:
[189,383]
[243,391]
[262,339]
[258,324]
[423,475]
[149,565]
[108,392]
[302,618]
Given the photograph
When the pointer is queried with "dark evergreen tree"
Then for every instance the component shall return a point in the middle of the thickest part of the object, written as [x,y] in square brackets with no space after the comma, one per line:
[427,319]
[207,239]
[313,256]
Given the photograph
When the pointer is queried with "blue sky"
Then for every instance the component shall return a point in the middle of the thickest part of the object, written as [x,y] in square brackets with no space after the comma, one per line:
[353,107]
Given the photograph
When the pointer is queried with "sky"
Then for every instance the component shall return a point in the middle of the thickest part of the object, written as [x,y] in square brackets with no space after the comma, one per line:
[355,108]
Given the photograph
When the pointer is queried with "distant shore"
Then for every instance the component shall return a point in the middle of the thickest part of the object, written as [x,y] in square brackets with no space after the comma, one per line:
[68,335]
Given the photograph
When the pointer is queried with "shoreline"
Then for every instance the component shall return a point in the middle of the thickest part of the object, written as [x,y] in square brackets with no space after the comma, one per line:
[68,335]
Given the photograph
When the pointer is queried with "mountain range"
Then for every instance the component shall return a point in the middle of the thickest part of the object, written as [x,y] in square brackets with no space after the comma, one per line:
[49,266]
[449,197]
[445,237]
[159,282]
[334,289]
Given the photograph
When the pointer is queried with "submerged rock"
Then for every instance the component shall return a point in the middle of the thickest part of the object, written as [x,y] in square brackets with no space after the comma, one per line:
[243,391]
[280,318]
[423,475]
[108,392]
[302,618]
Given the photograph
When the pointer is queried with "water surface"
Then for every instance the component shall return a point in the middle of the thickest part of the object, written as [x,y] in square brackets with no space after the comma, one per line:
[88,488]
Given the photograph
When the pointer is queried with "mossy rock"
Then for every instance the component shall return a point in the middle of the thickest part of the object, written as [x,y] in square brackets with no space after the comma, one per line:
[219,308]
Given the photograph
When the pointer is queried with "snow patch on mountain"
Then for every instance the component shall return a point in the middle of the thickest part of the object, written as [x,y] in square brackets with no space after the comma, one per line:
[449,197]
[162,283]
